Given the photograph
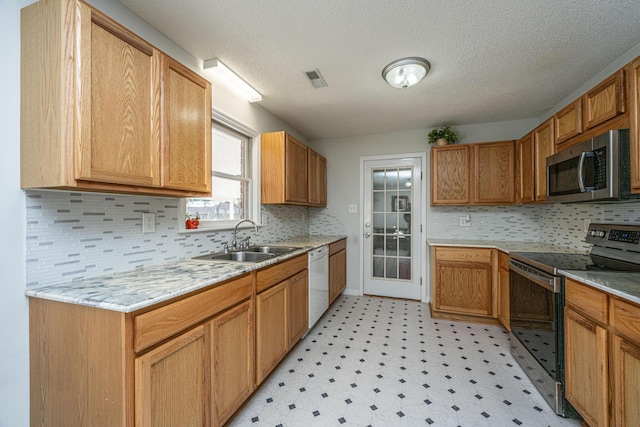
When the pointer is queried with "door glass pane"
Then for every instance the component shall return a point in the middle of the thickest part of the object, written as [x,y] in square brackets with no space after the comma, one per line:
[392,179]
[391,217]
[378,180]
[378,201]
[378,223]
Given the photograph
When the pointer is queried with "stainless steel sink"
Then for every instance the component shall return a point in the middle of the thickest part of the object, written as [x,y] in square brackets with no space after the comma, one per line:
[252,254]
[239,256]
[277,250]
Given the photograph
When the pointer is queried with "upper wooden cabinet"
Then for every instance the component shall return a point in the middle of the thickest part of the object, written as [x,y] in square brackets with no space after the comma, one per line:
[568,121]
[317,169]
[605,101]
[544,146]
[186,112]
[492,166]
[634,107]
[450,172]
[290,172]
[525,169]
[91,113]
[494,173]
[601,109]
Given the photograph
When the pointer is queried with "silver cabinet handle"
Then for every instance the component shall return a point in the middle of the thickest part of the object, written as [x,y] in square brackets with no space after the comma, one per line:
[367,234]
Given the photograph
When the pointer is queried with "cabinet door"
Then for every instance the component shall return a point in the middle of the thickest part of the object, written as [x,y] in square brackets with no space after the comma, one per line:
[503,290]
[605,101]
[586,376]
[119,118]
[525,170]
[337,274]
[171,382]
[186,134]
[464,287]
[568,121]
[634,102]
[494,173]
[295,166]
[232,338]
[450,168]
[271,329]
[626,382]
[544,144]
[297,307]
[317,170]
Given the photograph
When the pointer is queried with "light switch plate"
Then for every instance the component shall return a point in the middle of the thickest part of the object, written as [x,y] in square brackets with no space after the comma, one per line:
[148,222]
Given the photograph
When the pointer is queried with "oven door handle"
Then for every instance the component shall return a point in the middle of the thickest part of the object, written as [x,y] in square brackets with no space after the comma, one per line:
[547,282]
[583,156]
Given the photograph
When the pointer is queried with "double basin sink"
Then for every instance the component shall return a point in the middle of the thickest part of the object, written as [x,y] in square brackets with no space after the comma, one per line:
[251,254]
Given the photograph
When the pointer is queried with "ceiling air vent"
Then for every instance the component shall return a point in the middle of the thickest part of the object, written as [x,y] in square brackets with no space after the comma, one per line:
[316,79]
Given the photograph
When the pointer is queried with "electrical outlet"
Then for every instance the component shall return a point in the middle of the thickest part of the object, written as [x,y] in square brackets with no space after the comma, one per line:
[353,208]
[464,221]
[148,222]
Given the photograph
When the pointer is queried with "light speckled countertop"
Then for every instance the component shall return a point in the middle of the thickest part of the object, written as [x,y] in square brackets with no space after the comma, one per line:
[132,290]
[504,246]
[623,284]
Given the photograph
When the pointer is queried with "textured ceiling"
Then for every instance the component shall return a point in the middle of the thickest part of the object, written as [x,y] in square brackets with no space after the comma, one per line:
[492,60]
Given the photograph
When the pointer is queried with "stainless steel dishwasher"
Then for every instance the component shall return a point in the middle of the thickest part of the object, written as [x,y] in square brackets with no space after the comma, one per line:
[318,284]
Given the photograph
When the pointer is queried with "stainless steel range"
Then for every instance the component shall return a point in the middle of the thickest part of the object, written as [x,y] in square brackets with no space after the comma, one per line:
[537,302]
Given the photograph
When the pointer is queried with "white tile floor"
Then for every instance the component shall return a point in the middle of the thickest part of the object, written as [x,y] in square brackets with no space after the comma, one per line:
[384,362]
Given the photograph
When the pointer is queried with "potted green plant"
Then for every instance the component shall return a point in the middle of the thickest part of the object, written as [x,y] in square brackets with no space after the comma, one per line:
[443,135]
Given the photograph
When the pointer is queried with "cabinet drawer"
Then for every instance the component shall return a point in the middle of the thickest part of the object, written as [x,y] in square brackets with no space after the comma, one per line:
[463,254]
[626,319]
[589,301]
[503,260]
[275,274]
[154,326]
[337,246]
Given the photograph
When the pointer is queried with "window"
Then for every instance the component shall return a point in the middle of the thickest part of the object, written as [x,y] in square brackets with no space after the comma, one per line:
[234,196]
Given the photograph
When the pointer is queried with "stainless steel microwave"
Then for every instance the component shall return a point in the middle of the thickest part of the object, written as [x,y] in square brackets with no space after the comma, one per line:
[595,170]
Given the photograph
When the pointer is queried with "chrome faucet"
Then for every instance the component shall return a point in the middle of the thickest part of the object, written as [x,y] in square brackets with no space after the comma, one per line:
[234,243]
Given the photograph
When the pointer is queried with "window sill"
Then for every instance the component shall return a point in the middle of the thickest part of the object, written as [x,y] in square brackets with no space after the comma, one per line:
[214,229]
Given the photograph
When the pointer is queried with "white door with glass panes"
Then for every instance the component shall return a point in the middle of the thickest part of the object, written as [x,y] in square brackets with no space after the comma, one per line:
[392,213]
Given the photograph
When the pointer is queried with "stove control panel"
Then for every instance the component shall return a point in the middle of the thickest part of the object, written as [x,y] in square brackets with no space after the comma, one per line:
[632,237]
[621,236]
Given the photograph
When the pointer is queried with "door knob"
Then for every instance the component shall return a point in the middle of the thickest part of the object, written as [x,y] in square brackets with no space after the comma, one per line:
[367,234]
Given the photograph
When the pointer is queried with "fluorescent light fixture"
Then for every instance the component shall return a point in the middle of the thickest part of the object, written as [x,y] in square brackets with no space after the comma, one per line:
[406,72]
[224,75]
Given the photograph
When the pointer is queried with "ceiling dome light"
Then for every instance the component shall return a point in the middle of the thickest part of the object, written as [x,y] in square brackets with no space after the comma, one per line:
[406,72]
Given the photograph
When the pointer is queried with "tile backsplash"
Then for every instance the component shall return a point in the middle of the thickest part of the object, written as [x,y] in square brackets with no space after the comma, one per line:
[77,235]
[74,235]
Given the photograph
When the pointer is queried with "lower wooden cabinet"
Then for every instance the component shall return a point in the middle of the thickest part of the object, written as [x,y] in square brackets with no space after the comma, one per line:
[503,290]
[171,382]
[464,286]
[602,356]
[626,378]
[297,308]
[337,269]
[187,362]
[271,329]
[232,354]
[281,313]
[586,376]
